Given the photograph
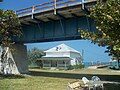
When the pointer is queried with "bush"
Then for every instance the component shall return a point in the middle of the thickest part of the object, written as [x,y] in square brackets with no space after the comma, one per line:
[79,66]
[70,67]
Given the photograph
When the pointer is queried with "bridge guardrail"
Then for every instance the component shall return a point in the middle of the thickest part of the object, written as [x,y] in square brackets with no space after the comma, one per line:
[49,6]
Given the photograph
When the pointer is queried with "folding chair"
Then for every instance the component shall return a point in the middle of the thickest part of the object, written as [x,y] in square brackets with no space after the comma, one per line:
[87,83]
[97,82]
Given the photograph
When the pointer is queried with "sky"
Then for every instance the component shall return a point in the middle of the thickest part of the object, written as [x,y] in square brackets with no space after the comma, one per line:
[92,52]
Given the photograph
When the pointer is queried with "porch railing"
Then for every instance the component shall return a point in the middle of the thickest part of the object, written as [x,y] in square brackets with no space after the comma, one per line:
[58,65]
[62,65]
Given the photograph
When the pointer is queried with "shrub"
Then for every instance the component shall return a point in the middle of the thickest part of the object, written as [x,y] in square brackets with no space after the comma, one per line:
[78,66]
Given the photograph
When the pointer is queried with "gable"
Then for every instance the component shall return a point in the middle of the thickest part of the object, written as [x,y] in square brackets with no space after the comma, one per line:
[62,48]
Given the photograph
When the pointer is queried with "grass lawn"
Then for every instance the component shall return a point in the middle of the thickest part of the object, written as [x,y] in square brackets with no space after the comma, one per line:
[34,83]
[51,79]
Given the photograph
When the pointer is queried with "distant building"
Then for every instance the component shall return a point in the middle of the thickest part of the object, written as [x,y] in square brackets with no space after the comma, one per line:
[61,56]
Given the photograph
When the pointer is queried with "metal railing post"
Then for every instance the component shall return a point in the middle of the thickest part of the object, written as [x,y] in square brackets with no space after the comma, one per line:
[33,8]
[83,6]
[55,7]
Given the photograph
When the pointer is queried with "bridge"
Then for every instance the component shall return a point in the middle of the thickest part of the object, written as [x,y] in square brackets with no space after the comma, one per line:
[55,21]
[51,21]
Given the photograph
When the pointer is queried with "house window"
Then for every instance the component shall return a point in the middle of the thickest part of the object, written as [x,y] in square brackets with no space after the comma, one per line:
[58,48]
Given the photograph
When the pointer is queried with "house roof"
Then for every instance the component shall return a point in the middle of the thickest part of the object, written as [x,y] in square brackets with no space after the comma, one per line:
[62,48]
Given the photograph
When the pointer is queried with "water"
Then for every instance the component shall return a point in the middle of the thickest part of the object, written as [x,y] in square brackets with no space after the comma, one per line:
[87,64]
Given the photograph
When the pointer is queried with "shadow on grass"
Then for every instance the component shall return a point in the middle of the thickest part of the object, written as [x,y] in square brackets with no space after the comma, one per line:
[111,86]
[11,76]
[115,78]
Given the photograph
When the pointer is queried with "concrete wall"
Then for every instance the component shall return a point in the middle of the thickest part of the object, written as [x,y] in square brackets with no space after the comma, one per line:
[74,54]
[76,58]
[20,57]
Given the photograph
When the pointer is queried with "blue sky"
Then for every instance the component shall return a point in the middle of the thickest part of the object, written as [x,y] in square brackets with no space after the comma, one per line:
[91,52]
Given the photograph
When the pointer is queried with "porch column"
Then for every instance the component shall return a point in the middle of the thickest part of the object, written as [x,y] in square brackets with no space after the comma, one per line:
[43,62]
[50,63]
[57,64]
[65,64]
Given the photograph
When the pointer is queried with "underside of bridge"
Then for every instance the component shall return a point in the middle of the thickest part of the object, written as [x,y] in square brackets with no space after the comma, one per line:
[46,26]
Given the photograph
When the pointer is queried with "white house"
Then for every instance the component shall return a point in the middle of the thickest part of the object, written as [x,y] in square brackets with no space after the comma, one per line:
[61,56]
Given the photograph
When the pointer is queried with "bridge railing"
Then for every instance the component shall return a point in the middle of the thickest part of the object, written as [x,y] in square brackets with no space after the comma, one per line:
[49,6]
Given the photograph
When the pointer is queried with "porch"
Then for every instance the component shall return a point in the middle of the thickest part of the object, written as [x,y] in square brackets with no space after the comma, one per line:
[56,62]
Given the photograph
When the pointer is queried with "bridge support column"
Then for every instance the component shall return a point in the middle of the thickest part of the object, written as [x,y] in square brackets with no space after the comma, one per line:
[20,57]
[14,59]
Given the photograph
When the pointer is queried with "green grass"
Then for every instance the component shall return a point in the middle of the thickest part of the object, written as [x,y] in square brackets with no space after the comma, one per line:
[50,79]
[34,83]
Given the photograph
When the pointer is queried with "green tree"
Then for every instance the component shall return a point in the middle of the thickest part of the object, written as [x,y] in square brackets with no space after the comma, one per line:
[33,55]
[107,18]
[9,27]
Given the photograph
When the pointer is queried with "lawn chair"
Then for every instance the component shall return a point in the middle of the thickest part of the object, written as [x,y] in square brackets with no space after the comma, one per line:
[97,82]
[87,83]
[75,85]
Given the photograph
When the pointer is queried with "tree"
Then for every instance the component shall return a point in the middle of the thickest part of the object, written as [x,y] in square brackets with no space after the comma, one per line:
[9,29]
[107,18]
[34,54]
[1,0]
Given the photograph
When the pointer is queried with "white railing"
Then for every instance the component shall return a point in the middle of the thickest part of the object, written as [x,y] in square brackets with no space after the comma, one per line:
[49,6]
[62,65]
[58,65]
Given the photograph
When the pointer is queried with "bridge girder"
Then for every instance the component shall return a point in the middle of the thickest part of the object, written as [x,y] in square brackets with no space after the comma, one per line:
[47,26]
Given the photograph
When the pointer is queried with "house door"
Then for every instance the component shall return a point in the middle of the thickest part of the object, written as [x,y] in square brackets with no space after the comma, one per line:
[53,63]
